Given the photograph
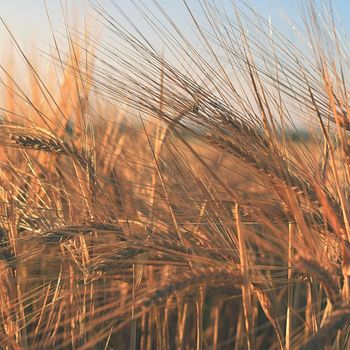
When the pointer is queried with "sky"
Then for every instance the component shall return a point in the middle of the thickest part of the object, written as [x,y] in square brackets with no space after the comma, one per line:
[28,21]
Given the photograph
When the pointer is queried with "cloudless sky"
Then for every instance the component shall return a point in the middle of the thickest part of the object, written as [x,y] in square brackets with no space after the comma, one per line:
[28,21]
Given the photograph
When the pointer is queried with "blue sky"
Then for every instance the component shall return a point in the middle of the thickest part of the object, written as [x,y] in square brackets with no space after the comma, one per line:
[28,21]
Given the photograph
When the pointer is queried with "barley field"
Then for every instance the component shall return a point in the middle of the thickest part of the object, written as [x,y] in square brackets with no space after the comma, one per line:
[177,190]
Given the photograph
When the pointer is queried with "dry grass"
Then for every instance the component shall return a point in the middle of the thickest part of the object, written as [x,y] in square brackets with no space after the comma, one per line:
[148,205]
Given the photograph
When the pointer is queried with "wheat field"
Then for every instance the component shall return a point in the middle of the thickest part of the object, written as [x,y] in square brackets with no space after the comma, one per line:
[187,195]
